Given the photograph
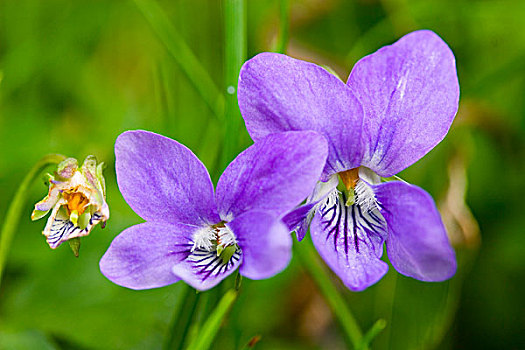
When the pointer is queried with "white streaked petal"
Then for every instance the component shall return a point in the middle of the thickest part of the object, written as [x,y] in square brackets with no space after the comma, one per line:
[209,263]
[204,269]
[350,239]
[349,227]
[365,197]
[59,227]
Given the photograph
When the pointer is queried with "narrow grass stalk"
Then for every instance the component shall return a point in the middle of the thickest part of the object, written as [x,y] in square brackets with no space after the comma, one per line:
[183,55]
[210,328]
[15,210]
[207,301]
[234,57]
[284,26]
[183,316]
[372,333]
[319,273]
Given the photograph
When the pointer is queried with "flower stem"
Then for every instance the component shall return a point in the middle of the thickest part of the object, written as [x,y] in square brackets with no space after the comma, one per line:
[319,273]
[284,27]
[16,207]
[373,332]
[210,328]
[234,57]
[182,319]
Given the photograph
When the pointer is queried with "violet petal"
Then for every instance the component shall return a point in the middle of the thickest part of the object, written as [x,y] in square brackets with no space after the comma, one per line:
[417,242]
[266,244]
[275,174]
[278,93]
[300,218]
[143,256]
[49,201]
[162,180]
[410,92]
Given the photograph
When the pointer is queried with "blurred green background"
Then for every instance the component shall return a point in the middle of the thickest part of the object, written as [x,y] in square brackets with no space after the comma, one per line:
[75,74]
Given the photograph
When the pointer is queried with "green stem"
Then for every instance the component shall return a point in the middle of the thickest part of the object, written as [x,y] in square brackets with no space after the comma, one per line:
[182,319]
[373,332]
[319,273]
[234,57]
[210,328]
[284,28]
[16,207]
[173,334]
[207,301]
[183,55]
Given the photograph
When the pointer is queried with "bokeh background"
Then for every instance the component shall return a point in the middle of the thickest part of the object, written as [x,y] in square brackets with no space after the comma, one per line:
[75,74]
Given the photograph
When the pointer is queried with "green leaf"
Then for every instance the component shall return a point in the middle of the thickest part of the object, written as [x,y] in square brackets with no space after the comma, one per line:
[26,340]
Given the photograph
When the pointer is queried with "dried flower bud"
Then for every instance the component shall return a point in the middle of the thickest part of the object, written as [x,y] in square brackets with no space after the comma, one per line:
[76,199]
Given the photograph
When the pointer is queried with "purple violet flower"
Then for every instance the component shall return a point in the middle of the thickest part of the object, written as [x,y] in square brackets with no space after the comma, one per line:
[397,104]
[196,235]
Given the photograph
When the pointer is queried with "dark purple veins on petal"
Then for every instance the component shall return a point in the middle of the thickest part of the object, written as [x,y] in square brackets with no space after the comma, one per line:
[353,224]
[206,264]
[62,229]
[350,240]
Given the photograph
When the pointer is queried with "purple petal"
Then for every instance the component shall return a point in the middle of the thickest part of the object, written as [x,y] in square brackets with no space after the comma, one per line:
[204,270]
[350,240]
[162,180]
[266,244]
[417,243]
[275,174]
[279,93]
[142,256]
[410,94]
[300,218]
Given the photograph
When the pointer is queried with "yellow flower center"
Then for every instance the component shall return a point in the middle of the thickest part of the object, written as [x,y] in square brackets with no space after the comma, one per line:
[350,178]
[76,201]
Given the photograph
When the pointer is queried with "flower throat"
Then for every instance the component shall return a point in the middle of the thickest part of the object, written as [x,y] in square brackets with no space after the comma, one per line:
[216,238]
[357,191]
